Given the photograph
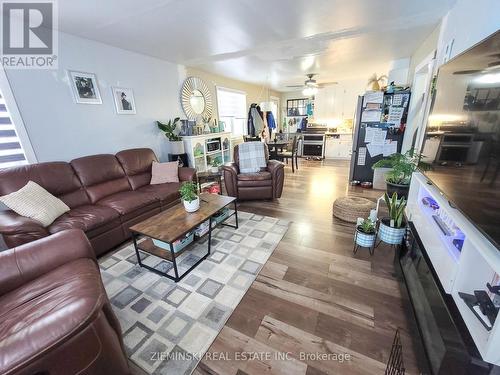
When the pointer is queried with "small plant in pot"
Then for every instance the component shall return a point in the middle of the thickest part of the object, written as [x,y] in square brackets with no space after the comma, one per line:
[214,166]
[171,132]
[189,196]
[365,233]
[402,167]
[392,228]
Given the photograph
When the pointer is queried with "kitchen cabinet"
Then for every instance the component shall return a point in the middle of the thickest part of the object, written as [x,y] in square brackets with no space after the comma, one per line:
[338,146]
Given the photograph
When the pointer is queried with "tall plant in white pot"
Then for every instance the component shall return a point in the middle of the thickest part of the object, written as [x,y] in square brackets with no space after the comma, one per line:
[172,133]
[189,196]
[392,228]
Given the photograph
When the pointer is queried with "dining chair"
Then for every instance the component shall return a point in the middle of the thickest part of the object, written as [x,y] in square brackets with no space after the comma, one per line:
[291,153]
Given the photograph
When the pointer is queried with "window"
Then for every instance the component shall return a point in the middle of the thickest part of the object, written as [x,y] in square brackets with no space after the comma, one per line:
[232,107]
[11,151]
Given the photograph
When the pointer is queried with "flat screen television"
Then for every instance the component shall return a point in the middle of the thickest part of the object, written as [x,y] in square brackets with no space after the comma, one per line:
[463,135]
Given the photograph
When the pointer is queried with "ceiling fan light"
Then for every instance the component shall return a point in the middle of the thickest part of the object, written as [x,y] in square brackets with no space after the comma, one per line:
[309,91]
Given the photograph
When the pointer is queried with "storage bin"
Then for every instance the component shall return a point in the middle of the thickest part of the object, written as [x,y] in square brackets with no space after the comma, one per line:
[178,245]
[221,215]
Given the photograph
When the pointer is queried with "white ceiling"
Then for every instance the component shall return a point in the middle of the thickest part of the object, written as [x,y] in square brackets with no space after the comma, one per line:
[273,42]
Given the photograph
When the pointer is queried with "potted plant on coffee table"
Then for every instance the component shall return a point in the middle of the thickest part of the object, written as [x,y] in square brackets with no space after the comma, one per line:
[365,235]
[392,228]
[189,196]
[402,167]
[176,145]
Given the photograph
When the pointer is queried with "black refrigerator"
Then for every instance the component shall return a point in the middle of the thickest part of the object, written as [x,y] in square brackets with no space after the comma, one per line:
[380,122]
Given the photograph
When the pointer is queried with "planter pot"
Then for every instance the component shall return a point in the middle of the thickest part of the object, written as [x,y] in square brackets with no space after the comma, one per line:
[400,190]
[193,205]
[365,239]
[176,147]
[214,169]
[390,235]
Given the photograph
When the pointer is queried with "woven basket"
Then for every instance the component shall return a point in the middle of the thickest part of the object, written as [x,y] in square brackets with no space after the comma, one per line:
[350,208]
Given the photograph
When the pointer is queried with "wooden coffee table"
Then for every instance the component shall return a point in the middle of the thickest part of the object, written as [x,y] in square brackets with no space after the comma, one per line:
[173,224]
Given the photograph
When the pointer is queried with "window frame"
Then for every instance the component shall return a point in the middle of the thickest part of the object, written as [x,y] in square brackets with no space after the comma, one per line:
[16,118]
[245,118]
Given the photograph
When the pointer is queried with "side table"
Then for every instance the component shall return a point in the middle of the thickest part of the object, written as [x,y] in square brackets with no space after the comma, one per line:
[204,177]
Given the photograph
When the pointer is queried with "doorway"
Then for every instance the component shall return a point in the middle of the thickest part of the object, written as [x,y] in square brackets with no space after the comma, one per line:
[419,104]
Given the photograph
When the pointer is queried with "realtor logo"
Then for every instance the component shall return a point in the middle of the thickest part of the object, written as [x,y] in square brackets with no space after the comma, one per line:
[29,34]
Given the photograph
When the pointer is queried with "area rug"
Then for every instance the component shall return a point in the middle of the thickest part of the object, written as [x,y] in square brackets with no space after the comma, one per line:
[167,326]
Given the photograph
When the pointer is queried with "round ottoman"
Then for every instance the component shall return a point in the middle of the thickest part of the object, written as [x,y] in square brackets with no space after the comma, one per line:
[350,208]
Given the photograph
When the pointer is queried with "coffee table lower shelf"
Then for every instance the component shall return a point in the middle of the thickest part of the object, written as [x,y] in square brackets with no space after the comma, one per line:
[148,246]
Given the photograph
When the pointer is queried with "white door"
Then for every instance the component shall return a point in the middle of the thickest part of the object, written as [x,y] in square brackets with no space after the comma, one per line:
[419,105]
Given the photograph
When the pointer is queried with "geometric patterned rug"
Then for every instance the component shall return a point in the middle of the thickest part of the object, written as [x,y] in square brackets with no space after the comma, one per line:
[167,326]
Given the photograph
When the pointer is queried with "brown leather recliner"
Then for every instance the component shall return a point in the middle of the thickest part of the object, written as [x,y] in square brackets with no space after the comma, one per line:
[55,316]
[266,184]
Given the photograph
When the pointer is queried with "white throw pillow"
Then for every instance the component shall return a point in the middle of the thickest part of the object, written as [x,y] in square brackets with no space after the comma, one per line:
[35,202]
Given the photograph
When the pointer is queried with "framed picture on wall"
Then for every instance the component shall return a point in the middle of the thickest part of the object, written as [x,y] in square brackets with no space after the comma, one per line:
[124,100]
[84,87]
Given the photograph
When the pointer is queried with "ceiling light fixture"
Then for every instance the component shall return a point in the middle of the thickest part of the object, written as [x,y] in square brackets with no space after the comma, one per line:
[309,91]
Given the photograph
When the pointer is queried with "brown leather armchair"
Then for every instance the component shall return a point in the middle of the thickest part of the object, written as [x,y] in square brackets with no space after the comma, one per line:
[266,184]
[55,316]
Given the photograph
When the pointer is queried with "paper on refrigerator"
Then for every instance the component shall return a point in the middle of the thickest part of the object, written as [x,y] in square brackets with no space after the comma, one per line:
[374,150]
[371,115]
[390,147]
[369,132]
[373,97]
[362,156]
[378,137]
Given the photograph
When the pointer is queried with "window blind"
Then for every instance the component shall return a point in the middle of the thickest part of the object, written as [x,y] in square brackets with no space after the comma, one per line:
[11,150]
[232,109]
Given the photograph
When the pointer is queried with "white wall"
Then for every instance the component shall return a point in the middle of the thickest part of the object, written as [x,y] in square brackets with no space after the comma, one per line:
[59,129]
[398,72]
[468,22]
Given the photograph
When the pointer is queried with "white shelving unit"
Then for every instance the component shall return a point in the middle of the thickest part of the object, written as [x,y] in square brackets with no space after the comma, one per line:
[465,270]
[202,149]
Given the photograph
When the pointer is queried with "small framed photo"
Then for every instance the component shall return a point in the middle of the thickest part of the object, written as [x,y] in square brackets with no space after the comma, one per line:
[124,100]
[84,87]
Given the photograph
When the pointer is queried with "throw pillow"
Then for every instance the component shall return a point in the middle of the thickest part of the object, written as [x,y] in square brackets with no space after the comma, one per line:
[162,173]
[35,202]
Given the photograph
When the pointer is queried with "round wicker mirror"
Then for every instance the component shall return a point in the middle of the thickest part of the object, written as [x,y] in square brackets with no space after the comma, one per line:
[196,99]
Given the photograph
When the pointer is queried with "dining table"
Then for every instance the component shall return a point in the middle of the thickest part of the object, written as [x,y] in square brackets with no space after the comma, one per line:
[274,147]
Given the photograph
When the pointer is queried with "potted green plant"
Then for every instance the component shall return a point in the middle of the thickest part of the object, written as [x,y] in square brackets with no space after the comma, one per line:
[214,165]
[392,228]
[402,167]
[365,233]
[171,132]
[189,196]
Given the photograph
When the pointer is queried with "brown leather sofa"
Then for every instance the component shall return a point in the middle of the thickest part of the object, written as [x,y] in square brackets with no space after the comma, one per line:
[106,193]
[266,184]
[55,317]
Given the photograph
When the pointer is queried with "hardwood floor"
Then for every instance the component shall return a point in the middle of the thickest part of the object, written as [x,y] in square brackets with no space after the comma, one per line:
[314,295]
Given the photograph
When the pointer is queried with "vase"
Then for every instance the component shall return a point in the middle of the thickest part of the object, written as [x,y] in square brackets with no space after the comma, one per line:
[214,169]
[176,147]
[192,206]
[400,189]
[365,239]
[390,235]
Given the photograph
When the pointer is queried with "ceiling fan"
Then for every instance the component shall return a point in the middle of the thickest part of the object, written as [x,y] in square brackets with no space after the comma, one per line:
[311,86]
